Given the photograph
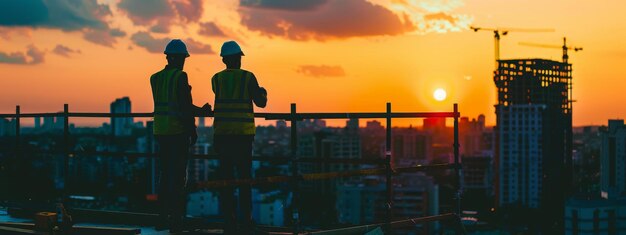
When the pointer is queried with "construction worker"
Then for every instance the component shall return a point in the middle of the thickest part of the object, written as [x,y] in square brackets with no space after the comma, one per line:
[235,92]
[174,131]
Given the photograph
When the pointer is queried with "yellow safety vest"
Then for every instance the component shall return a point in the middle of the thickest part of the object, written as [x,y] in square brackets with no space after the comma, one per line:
[234,114]
[167,113]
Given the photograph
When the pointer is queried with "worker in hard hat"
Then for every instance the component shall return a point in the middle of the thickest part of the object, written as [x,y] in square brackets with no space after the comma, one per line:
[174,131]
[235,92]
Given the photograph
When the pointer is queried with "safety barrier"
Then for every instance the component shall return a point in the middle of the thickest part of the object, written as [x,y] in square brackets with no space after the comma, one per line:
[293,117]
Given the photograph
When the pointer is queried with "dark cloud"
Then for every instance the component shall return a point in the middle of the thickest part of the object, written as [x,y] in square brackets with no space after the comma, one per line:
[160,15]
[32,56]
[161,27]
[211,29]
[69,15]
[157,45]
[196,47]
[23,13]
[321,70]
[103,37]
[117,33]
[331,19]
[64,51]
[300,5]
[144,14]
[145,40]
[189,10]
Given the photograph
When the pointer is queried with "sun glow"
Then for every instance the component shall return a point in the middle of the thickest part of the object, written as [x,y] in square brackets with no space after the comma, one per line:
[440,94]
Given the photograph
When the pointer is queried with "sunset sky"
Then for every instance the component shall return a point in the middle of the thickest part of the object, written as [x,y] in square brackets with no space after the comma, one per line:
[324,55]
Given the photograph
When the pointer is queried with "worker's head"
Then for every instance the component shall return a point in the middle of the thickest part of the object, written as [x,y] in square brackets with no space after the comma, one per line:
[232,61]
[231,54]
[176,53]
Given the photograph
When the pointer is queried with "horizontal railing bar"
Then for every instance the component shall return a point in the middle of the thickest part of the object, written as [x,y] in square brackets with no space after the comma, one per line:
[319,176]
[267,116]
[216,157]
[361,229]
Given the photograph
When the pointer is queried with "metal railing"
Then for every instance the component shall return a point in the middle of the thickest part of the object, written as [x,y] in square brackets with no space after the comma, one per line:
[294,179]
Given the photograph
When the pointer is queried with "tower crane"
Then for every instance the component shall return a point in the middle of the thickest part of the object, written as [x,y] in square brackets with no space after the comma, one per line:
[498,32]
[565,48]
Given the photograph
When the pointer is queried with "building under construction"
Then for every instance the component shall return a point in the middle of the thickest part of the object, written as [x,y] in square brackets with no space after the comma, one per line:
[533,135]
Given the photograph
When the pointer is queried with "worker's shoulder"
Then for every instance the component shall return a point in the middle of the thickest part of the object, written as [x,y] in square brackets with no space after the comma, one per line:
[248,72]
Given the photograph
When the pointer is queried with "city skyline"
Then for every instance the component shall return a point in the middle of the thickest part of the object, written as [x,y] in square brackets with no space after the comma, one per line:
[87,71]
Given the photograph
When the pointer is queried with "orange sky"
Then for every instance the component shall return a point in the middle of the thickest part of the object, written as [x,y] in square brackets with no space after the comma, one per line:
[360,70]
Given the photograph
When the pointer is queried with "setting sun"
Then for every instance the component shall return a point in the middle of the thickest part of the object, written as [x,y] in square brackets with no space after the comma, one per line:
[440,94]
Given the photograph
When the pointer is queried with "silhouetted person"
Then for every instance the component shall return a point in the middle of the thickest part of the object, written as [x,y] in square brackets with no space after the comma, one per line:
[174,131]
[235,90]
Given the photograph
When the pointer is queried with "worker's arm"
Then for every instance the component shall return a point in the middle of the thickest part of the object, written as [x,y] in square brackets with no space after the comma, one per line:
[258,94]
[185,103]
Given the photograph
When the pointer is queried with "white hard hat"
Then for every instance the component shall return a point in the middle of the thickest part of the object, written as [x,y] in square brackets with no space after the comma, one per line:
[231,48]
[176,46]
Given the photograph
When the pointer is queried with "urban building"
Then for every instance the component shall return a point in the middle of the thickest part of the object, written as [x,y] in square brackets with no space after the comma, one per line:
[470,135]
[613,160]
[122,126]
[477,173]
[416,195]
[590,216]
[410,146]
[533,135]
[37,122]
[202,204]
[268,208]
[201,122]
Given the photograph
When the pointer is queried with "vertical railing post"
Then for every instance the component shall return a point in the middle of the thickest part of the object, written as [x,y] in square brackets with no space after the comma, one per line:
[388,171]
[18,150]
[66,149]
[150,143]
[295,214]
[457,165]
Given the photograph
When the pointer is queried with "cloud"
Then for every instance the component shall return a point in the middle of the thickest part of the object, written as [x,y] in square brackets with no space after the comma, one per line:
[161,15]
[196,47]
[145,40]
[32,56]
[7,33]
[143,14]
[321,20]
[300,5]
[211,29]
[189,10]
[64,51]
[157,45]
[68,15]
[86,16]
[103,37]
[430,15]
[321,70]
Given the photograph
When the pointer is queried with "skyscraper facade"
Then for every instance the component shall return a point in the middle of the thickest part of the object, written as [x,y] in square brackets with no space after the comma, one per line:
[122,126]
[613,160]
[533,134]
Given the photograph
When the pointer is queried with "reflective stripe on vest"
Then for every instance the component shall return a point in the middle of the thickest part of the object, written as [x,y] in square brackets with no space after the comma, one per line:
[167,114]
[234,114]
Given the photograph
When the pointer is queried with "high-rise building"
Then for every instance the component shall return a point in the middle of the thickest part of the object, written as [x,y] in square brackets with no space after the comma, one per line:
[37,122]
[201,121]
[121,125]
[59,121]
[533,134]
[613,160]
[48,123]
